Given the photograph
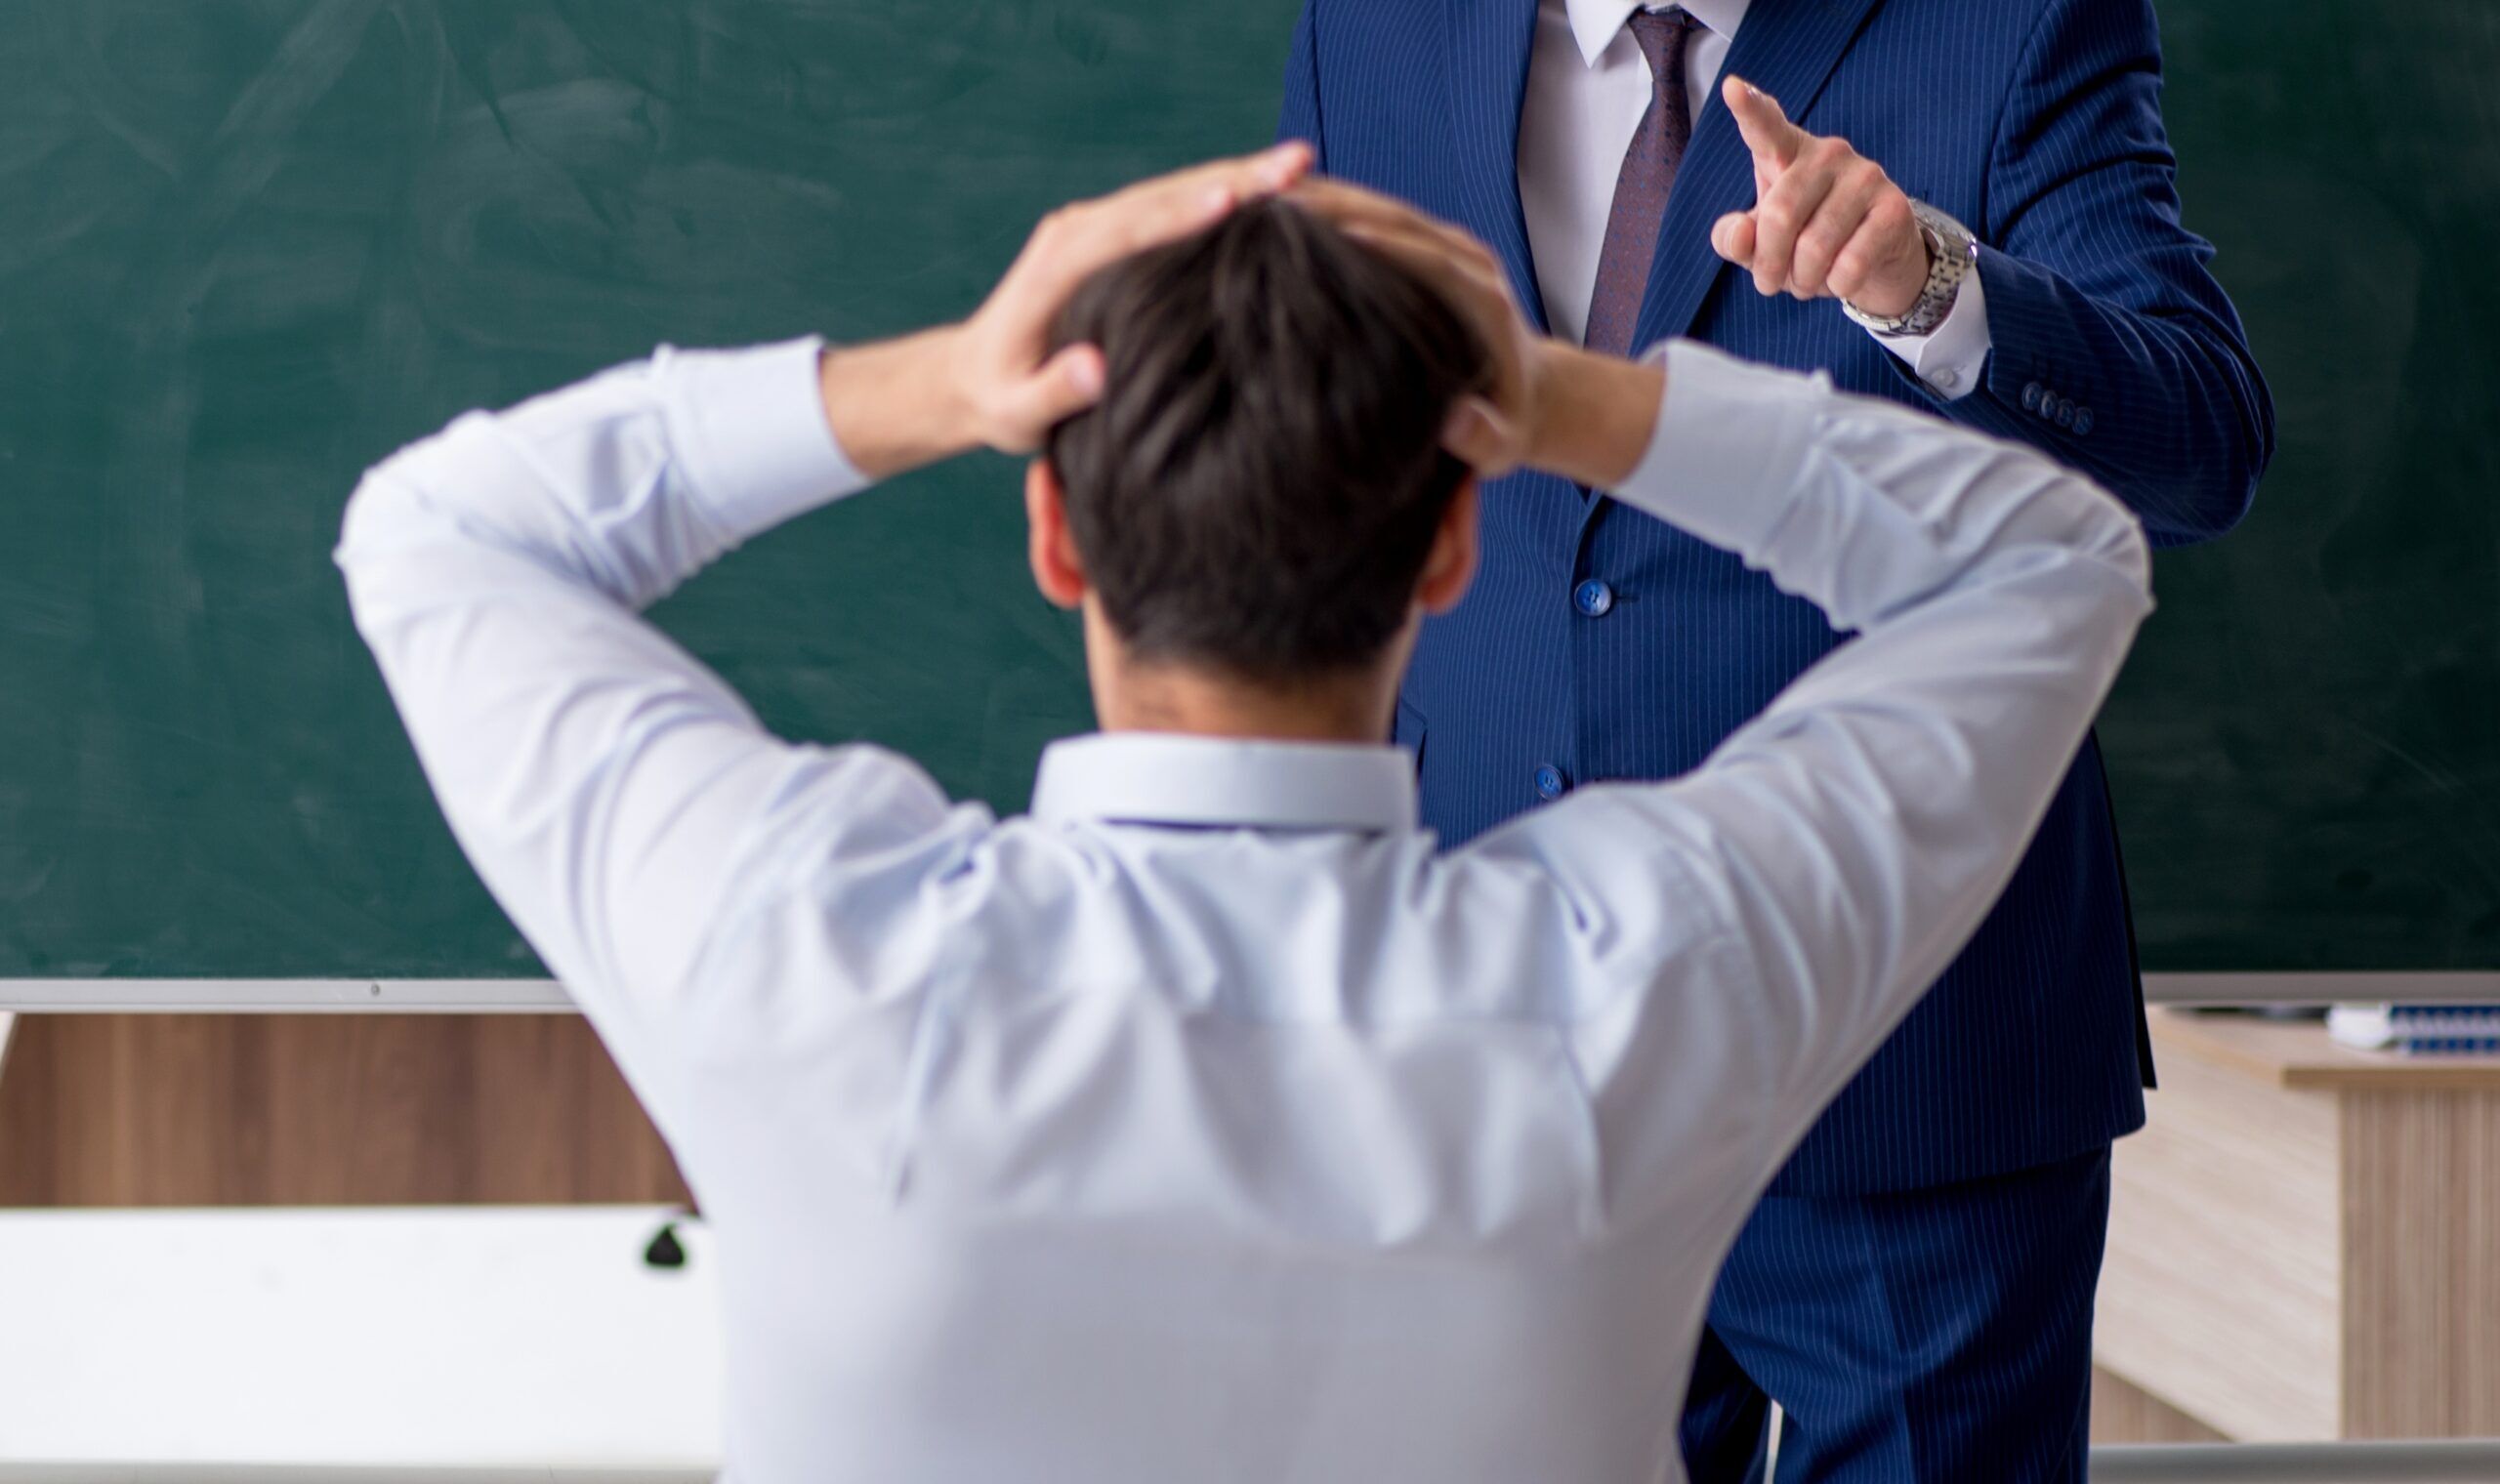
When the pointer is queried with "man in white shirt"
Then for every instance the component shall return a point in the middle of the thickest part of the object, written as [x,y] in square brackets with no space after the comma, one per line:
[1210,1124]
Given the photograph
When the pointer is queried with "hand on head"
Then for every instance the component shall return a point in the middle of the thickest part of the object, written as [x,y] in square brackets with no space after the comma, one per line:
[1011,387]
[1826,223]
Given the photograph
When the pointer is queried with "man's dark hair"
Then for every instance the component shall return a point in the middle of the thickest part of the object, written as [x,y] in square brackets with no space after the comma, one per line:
[1259,487]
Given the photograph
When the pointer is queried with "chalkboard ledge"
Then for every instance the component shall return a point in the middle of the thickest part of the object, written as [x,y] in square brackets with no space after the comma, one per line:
[463,997]
[291,996]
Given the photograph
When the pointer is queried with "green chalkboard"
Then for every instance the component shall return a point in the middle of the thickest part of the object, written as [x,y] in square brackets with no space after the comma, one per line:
[2306,750]
[247,246]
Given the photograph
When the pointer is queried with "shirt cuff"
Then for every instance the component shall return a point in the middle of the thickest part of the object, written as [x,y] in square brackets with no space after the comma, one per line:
[1951,357]
[751,428]
[1728,451]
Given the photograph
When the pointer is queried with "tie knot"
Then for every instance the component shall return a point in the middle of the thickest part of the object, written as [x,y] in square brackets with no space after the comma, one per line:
[1662,35]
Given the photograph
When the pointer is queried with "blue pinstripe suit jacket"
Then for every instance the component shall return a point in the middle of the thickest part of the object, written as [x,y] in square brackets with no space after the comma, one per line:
[2038,123]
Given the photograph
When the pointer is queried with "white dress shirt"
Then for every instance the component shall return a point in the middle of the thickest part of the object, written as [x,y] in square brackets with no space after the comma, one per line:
[1209,1122]
[1587,87]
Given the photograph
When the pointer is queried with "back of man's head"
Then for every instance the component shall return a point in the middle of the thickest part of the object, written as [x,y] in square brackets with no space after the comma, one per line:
[1257,492]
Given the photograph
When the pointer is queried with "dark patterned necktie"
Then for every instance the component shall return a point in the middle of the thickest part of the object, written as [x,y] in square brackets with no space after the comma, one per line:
[1641,188]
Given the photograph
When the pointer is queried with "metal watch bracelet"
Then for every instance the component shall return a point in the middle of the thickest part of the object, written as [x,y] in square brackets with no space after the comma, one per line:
[1952,254]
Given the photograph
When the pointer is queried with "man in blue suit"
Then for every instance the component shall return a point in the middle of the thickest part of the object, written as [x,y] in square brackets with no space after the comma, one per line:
[1998,241]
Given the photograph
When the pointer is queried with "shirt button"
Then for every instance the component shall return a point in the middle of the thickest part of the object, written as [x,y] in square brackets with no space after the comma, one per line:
[1946,380]
[1550,782]
[1593,598]
[2032,397]
[2066,413]
[2082,421]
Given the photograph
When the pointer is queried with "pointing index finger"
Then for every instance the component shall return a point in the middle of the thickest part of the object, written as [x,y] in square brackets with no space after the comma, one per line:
[1759,118]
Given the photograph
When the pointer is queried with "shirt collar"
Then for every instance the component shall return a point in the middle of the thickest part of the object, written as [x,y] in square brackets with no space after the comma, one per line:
[1594,22]
[1137,777]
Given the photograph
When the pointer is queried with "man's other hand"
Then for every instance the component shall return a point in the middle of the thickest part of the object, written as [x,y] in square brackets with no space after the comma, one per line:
[1569,411]
[1828,221]
[1493,433]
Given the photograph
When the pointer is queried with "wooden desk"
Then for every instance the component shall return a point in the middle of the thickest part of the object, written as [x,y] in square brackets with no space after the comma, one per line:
[2303,1244]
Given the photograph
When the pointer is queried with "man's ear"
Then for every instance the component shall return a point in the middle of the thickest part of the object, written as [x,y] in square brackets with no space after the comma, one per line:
[1056,570]
[1451,567]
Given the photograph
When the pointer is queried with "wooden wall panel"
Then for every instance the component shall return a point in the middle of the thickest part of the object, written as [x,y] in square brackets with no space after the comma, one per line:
[2222,1242]
[318,1110]
[2422,1264]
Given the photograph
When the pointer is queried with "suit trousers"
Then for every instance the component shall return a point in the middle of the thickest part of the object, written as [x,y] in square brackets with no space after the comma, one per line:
[1920,1336]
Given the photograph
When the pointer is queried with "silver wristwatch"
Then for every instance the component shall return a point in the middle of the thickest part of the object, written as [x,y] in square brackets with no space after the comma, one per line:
[1952,254]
